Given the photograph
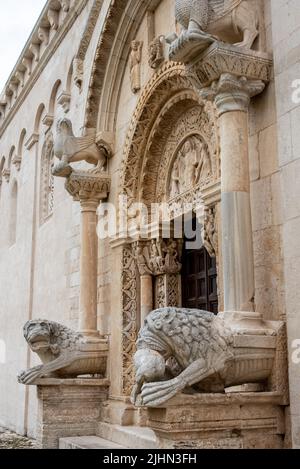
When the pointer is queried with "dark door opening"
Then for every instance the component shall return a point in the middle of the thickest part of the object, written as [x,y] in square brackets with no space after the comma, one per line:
[199,280]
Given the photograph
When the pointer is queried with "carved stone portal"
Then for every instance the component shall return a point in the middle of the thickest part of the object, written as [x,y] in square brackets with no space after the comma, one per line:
[181,348]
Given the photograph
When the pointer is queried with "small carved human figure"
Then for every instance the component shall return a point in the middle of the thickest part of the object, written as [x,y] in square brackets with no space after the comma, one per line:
[209,232]
[142,258]
[135,65]
[172,264]
[203,169]
[175,181]
[156,52]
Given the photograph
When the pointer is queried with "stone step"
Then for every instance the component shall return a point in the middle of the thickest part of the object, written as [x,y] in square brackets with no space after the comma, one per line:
[128,436]
[87,442]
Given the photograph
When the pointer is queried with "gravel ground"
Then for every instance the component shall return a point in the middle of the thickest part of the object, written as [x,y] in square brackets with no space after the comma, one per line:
[9,440]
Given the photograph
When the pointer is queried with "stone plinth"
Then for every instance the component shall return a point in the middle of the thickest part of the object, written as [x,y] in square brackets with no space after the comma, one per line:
[68,407]
[229,421]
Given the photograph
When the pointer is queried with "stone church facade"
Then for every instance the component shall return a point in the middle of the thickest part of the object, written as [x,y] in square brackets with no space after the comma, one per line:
[208,131]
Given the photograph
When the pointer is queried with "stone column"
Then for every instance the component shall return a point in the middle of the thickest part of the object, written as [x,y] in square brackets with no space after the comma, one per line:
[88,189]
[230,77]
[88,267]
[146,296]
[232,95]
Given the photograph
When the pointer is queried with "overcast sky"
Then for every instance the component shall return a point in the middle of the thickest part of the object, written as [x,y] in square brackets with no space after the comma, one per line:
[18,18]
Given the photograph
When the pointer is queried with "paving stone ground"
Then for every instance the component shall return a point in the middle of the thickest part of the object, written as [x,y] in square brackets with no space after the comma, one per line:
[10,440]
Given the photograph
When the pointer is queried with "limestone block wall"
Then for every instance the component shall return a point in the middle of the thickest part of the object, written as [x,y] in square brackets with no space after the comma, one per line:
[39,272]
[286,42]
[265,190]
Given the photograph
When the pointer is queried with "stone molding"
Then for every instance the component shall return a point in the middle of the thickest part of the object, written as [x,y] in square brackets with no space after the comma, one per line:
[31,50]
[85,42]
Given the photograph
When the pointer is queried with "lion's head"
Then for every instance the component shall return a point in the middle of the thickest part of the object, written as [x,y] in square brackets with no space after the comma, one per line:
[38,334]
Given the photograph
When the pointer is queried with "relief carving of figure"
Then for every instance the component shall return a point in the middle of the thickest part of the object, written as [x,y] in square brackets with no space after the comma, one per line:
[157,257]
[209,232]
[204,21]
[135,65]
[156,52]
[191,166]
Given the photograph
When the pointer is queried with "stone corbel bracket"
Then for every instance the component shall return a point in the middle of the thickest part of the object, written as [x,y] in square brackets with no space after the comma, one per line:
[222,58]
[87,185]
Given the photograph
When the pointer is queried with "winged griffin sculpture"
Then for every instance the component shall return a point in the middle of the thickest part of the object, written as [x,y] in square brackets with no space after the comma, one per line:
[70,149]
[182,348]
[203,21]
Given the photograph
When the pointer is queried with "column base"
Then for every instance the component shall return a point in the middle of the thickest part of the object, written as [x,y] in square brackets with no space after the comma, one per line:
[68,407]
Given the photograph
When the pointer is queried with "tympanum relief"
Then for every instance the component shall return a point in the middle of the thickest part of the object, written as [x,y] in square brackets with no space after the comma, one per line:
[192,164]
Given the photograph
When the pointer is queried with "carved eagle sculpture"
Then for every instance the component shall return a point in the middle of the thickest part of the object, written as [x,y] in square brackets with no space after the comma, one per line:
[201,345]
[70,149]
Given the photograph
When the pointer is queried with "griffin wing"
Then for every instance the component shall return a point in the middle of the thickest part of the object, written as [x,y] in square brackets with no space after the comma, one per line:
[78,143]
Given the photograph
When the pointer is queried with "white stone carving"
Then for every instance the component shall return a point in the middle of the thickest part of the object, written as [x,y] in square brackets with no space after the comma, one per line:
[53,17]
[212,352]
[135,65]
[70,149]
[43,34]
[157,257]
[191,165]
[47,179]
[64,352]
[156,52]
[204,21]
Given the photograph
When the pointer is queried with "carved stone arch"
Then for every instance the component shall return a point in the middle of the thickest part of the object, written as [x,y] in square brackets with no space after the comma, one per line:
[151,142]
[121,24]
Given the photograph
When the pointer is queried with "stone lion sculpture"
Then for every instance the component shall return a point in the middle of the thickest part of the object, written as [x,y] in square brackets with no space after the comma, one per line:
[70,149]
[207,20]
[63,352]
[179,348]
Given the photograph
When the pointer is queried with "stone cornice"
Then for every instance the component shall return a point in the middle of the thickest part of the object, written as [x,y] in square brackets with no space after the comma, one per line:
[26,60]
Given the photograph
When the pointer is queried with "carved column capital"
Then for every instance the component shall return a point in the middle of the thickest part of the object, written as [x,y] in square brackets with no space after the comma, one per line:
[230,76]
[232,93]
[88,188]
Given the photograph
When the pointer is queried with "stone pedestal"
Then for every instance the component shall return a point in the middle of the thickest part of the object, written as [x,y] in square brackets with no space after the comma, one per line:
[68,407]
[220,421]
